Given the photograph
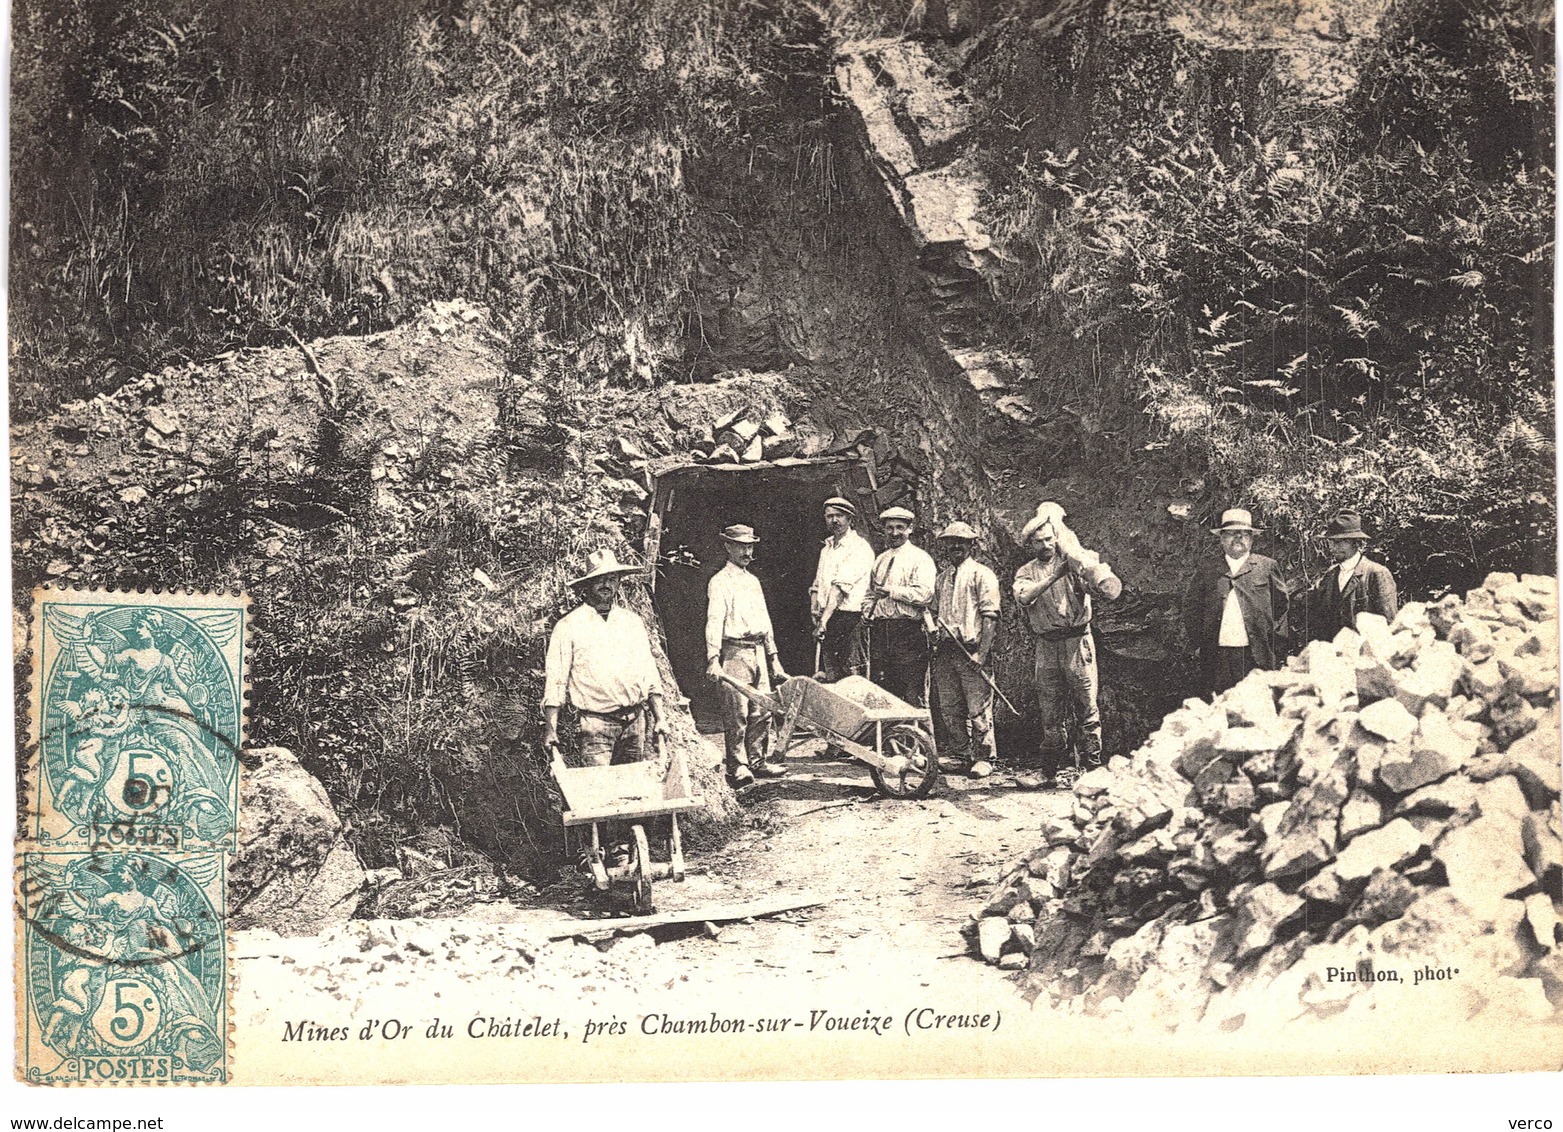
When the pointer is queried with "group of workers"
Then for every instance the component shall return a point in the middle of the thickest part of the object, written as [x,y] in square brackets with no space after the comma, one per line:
[909,620]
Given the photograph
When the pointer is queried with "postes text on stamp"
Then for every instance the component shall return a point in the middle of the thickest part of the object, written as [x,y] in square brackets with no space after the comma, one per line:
[137,719]
[124,964]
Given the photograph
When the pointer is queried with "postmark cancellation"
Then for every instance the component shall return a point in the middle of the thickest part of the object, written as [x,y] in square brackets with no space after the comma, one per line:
[124,968]
[137,718]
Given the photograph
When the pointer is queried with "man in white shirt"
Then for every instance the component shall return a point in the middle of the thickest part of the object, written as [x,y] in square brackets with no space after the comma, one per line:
[599,660]
[1234,611]
[840,587]
[965,618]
[739,644]
[900,589]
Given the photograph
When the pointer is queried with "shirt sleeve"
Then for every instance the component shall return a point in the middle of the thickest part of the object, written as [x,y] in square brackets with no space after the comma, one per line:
[855,567]
[988,597]
[556,668]
[716,616]
[917,589]
[1031,580]
[650,677]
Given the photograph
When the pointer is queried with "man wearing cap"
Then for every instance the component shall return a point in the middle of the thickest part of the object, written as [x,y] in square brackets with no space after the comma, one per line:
[739,644]
[900,588]
[1234,608]
[1356,585]
[963,620]
[1054,592]
[599,660]
[840,587]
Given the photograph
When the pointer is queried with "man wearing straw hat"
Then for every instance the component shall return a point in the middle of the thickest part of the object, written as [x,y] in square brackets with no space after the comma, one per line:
[1234,608]
[599,659]
[1356,585]
[839,589]
[900,589]
[740,643]
[1054,592]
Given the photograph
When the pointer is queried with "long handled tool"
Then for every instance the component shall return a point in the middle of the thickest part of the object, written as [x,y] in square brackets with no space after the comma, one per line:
[981,671]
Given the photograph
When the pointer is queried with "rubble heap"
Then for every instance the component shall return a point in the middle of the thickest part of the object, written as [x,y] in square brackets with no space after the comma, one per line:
[1382,810]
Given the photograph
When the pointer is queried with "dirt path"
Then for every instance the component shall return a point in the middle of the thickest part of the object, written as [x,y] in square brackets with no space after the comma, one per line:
[895,881]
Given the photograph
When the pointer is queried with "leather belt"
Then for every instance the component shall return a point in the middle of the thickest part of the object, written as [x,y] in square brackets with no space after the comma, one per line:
[1065,634]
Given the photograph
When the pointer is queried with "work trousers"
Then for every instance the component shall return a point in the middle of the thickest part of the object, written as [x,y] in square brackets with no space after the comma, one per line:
[745,728]
[962,707]
[1229,665]
[898,650]
[611,740]
[607,739]
[1066,688]
[841,650]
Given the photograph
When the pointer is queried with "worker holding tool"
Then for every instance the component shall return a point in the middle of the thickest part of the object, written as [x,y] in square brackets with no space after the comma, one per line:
[741,646]
[900,586]
[1054,591]
[962,621]
[599,660]
[836,598]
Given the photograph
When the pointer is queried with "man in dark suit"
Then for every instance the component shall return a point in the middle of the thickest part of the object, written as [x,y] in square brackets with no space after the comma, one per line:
[1234,609]
[1356,585]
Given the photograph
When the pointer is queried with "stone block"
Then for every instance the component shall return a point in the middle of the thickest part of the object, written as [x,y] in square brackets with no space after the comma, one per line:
[1452,800]
[1445,614]
[1374,678]
[1542,919]
[1412,618]
[1388,719]
[1485,863]
[1251,703]
[1385,848]
[1543,844]
[1386,897]
[1360,813]
[993,933]
[1436,751]
[1502,798]
[1094,782]
[294,872]
[1058,830]
[1262,914]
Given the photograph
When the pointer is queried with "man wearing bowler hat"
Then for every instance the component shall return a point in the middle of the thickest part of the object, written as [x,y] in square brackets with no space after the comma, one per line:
[599,660]
[1235,606]
[840,587]
[1356,585]
[740,643]
[900,589]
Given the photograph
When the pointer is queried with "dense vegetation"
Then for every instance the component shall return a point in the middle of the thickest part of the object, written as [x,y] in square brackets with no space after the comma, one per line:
[1317,306]
[1300,306]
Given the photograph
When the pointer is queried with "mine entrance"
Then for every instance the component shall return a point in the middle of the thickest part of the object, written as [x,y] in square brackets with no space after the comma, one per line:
[783,502]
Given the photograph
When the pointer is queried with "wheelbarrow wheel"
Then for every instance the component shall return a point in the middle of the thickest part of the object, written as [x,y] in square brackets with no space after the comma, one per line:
[640,871]
[912,743]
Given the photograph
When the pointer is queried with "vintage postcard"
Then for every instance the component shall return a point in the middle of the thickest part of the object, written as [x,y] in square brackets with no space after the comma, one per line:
[747,541]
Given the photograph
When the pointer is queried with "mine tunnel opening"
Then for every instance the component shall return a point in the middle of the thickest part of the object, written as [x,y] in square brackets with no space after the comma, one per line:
[784,503]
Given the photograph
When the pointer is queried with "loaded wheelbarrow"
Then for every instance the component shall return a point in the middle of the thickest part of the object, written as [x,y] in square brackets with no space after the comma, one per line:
[632,793]
[861,718]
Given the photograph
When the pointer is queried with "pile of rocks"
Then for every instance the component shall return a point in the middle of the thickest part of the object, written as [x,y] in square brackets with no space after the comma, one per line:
[1385,809]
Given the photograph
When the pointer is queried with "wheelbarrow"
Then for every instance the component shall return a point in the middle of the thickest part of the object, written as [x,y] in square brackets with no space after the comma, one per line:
[857,715]
[630,792]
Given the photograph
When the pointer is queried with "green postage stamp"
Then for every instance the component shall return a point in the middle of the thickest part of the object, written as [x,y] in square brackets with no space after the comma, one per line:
[126,968]
[138,713]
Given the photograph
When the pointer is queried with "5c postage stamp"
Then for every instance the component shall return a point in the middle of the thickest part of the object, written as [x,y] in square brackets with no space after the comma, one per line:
[124,963]
[138,713]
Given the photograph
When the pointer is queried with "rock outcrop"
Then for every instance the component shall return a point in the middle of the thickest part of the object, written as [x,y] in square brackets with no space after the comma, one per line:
[1384,809]
[294,873]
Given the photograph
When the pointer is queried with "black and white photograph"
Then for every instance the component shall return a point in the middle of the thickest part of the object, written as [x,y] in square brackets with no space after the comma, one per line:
[782,541]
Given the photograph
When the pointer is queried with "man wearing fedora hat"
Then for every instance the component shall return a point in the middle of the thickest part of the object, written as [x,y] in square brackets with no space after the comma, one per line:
[739,644]
[599,660]
[839,589]
[966,609]
[1234,609]
[1054,592]
[1356,585]
[900,588]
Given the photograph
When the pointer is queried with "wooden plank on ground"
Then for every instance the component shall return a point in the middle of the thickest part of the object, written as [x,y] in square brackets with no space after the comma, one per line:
[710,913]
